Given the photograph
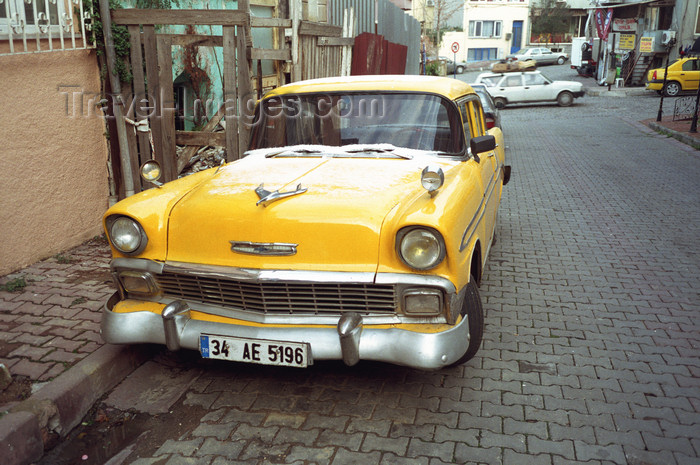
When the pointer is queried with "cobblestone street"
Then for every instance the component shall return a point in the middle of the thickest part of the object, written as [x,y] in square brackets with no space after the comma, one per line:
[591,350]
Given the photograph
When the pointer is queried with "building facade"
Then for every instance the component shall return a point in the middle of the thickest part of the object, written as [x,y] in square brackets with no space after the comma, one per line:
[492,30]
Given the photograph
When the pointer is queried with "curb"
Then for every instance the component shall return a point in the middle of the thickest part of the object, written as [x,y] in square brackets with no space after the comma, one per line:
[60,405]
[680,136]
[605,91]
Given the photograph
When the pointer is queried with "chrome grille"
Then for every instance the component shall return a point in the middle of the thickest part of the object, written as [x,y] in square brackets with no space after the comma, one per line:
[281,297]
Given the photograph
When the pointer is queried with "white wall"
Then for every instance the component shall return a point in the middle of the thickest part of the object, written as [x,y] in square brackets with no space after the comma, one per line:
[506,12]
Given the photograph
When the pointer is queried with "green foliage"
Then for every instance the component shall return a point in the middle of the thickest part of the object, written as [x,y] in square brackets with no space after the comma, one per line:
[14,285]
[63,259]
[551,18]
[432,69]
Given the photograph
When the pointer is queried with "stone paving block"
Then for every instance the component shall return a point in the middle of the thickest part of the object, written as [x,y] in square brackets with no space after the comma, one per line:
[219,448]
[379,427]
[180,460]
[317,455]
[468,454]
[218,431]
[346,457]
[372,442]
[424,432]
[418,448]
[510,456]
[182,447]
[586,452]
[339,439]
[391,459]
[528,428]
[536,446]
[516,442]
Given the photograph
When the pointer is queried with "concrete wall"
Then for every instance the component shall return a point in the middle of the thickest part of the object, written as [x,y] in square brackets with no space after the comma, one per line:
[53,157]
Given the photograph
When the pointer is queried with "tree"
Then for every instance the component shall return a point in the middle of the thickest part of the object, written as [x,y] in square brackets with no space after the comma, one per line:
[549,18]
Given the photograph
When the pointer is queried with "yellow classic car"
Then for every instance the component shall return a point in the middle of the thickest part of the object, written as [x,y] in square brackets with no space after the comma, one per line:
[683,75]
[356,227]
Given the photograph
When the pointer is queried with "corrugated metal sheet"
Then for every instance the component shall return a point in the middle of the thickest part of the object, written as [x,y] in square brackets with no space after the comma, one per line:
[385,18]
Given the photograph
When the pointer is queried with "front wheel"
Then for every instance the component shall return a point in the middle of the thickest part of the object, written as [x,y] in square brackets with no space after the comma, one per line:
[460,69]
[561,60]
[672,89]
[565,99]
[473,311]
[500,102]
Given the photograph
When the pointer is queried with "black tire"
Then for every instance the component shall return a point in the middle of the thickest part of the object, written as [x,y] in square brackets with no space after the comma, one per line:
[564,99]
[561,60]
[672,89]
[474,312]
[460,69]
[500,102]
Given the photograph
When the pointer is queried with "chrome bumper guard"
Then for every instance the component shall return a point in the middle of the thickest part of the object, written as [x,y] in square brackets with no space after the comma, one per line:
[349,341]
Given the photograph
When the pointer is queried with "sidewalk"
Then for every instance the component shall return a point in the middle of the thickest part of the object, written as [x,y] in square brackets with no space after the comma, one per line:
[51,346]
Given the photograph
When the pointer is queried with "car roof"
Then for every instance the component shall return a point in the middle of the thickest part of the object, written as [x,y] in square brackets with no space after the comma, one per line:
[447,87]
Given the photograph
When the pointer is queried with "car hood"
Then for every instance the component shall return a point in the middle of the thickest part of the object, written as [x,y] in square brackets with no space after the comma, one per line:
[335,215]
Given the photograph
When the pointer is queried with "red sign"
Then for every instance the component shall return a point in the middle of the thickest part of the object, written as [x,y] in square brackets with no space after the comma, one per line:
[602,22]
[455,47]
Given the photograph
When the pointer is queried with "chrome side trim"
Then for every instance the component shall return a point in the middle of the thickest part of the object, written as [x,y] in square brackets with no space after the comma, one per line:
[479,215]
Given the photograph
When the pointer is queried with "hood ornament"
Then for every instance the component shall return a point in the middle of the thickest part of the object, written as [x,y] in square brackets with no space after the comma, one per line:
[267,197]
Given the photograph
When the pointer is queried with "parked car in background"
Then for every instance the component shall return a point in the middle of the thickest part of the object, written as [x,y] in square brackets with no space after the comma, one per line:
[492,115]
[356,227]
[683,75]
[541,55]
[527,87]
[460,66]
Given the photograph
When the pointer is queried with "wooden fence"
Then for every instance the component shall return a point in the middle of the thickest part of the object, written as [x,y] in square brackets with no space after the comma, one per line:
[317,50]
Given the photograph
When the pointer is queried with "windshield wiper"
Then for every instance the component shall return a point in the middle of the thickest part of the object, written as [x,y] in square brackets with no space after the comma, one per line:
[288,151]
[385,148]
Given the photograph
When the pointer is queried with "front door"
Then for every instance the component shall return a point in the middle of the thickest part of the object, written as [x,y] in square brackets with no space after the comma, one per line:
[516,42]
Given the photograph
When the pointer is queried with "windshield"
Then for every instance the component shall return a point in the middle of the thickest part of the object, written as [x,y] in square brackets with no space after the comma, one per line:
[408,120]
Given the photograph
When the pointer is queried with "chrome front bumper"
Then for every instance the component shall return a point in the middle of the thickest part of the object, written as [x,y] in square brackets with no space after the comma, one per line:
[349,341]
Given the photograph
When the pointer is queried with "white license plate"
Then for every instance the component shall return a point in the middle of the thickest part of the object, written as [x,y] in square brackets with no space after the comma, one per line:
[290,354]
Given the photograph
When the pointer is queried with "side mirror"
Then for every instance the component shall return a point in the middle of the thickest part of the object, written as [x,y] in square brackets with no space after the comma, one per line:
[482,144]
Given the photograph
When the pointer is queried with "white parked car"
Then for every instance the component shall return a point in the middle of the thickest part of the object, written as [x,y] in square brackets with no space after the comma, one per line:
[541,55]
[531,86]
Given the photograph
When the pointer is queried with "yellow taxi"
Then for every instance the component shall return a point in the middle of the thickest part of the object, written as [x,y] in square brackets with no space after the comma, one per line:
[683,74]
[357,227]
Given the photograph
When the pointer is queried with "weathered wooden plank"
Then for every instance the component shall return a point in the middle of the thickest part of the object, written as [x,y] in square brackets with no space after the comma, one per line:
[310,28]
[246,96]
[270,22]
[199,40]
[199,139]
[270,54]
[194,17]
[335,41]
[153,89]
[139,96]
[167,103]
[268,3]
[268,82]
[230,93]
[190,151]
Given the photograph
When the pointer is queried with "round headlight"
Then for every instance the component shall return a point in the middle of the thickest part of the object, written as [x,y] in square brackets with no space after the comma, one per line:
[150,171]
[421,248]
[126,235]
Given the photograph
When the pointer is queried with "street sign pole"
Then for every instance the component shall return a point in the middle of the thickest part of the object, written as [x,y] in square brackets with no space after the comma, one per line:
[455,49]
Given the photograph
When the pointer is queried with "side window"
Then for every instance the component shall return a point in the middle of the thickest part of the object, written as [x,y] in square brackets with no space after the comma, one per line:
[466,121]
[512,81]
[533,79]
[477,117]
